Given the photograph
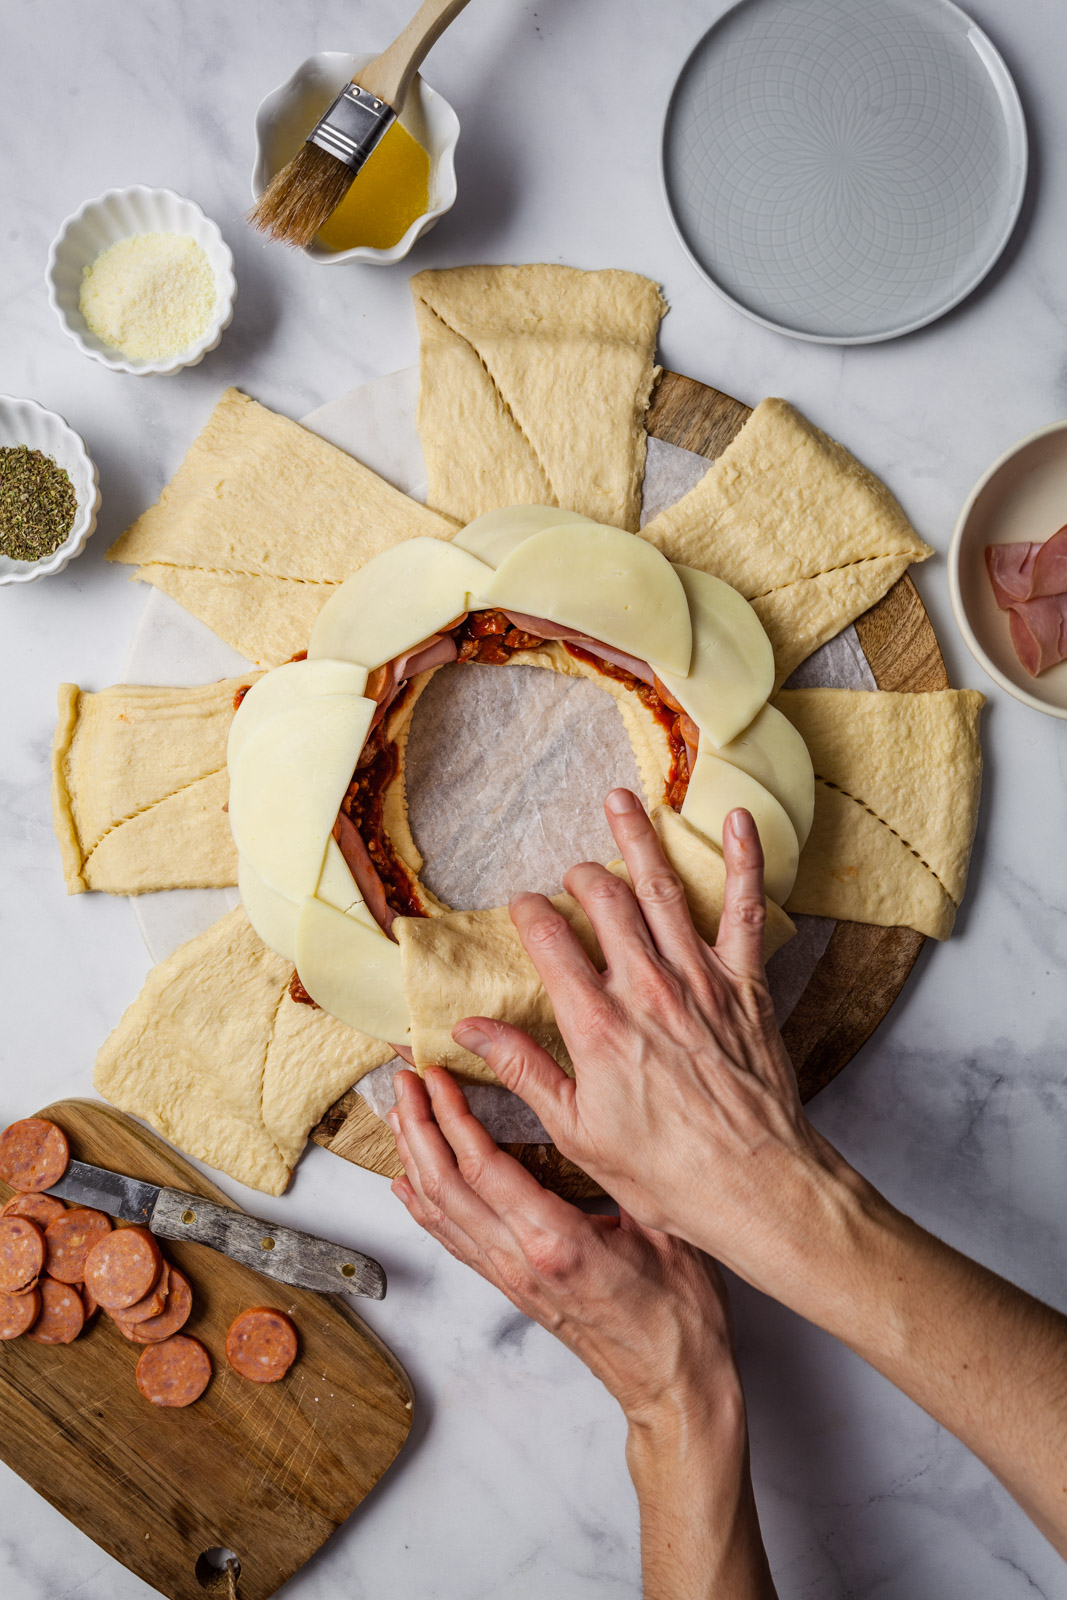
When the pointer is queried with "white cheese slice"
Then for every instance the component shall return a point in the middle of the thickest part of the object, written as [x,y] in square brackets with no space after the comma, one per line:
[772,751]
[715,788]
[295,683]
[495,534]
[604,582]
[339,889]
[732,669]
[273,916]
[352,972]
[287,784]
[400,598]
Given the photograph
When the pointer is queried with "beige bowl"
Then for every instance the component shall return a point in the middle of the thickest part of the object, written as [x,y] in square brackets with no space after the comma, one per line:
[1023,496]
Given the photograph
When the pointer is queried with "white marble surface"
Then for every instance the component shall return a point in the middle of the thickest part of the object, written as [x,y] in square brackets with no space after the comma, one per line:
[513,1482]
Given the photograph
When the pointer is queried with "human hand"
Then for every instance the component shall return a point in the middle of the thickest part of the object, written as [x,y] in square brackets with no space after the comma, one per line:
[684,1103]
[647,1313]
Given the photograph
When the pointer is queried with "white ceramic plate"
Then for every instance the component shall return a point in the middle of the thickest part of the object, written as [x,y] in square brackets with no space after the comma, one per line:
[844,170]
[1022,497]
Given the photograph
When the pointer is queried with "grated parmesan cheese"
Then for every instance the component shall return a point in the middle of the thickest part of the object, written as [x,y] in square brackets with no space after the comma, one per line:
[149,296]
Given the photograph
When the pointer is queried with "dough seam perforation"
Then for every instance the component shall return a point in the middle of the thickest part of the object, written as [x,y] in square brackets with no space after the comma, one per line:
[263,1077]
[238,572]
[830,784]
[504,402]
[151,806]
[824,572]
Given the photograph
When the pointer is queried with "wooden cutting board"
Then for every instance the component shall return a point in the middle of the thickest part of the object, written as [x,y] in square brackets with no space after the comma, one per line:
[863,968]
[267,1471]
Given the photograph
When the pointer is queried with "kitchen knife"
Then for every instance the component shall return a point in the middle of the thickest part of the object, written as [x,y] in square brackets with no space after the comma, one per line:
[280,1253]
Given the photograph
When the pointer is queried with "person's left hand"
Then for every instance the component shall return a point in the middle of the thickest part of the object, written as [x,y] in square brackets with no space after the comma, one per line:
[646,1312]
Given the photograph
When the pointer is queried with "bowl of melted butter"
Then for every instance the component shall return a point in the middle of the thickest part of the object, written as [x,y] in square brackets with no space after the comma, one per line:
[407,182]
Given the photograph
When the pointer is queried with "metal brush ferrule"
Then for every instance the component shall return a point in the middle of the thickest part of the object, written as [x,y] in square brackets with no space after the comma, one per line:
[352,126]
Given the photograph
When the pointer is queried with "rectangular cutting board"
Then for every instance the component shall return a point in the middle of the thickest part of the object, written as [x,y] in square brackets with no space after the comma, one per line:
[268,1471]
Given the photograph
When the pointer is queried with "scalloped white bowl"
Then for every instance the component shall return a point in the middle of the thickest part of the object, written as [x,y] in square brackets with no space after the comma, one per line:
[25,422]
[287,114]
[116,215]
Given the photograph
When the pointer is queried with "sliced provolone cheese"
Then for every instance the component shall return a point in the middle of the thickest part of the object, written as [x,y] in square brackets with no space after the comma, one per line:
[352,972]
[495,534]
[400,598]
[287,784]
[772,751]
[604,582]
[338,888]
[715,788]
[273,916]
[732,668]
[296,683]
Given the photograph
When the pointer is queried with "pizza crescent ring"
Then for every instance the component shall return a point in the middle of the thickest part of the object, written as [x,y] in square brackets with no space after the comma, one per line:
[324,869]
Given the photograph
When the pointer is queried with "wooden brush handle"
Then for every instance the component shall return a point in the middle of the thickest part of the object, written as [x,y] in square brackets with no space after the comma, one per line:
[389,75]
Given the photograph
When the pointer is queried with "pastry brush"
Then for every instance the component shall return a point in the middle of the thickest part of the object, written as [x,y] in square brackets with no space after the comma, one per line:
[300,197]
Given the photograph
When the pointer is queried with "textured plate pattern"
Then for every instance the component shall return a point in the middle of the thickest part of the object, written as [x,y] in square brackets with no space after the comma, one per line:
[844,170]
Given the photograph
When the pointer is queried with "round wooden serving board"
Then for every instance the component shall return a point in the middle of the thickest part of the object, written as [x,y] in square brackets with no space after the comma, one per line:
[863,968]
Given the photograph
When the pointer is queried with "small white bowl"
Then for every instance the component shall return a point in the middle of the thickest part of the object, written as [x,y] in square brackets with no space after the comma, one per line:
[119,214]
[287,115]
[1022,497]
[25,422]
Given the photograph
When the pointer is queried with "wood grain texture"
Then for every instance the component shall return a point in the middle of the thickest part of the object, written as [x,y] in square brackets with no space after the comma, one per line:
[266,1470]
[863,968]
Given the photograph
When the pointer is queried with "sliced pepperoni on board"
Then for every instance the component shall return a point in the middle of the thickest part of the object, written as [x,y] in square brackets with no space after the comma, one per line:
[22,1253]
[69,1239]
[121,1268]
[40,1208]
[174,1373]
[62,1313]
[18,1312]
[174,1315]
[261,1344]
[153,1302]
[33,1155]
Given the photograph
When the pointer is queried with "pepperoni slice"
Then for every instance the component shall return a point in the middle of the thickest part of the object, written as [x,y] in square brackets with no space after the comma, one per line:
[40,1208]
[22,1253]
[175,1314]
[62,1313]
[121,1268]
[18,1312]
[174,1373]
[69,1239]
[91,1307]
[152,1304]
[261,1344]
[33,1155]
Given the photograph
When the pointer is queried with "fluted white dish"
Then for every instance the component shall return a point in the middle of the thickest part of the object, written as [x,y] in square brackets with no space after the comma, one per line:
[1021,498]
[119,214]
[26,422]
[287,115]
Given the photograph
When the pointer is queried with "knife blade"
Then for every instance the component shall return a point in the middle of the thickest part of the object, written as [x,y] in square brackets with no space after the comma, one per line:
[281,1253]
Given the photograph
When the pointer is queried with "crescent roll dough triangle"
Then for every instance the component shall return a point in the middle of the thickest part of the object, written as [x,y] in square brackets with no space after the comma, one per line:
[535,383]
[215,1055]
[139,785]
[897,782]
[793,522]
[259,523]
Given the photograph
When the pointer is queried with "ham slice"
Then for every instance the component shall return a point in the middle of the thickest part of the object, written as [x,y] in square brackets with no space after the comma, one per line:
[1039,632]
[362,868]
[606,652]
[1030,582]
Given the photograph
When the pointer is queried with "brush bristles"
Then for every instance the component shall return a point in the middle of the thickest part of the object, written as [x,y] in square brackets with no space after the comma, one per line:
[299,198]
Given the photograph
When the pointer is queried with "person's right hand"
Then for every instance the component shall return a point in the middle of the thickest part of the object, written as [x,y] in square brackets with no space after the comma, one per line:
[684,1103]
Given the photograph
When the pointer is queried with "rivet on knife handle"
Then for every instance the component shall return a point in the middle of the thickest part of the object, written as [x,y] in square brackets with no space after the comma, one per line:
[281,1253]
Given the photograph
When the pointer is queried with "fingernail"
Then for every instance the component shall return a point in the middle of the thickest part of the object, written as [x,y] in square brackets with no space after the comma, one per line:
[742,824]
[472,1039]
[394,1121]
[620,801]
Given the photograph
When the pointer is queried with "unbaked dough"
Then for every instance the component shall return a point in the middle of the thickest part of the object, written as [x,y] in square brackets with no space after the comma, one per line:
[259,525]
[792,521]
[535,383]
